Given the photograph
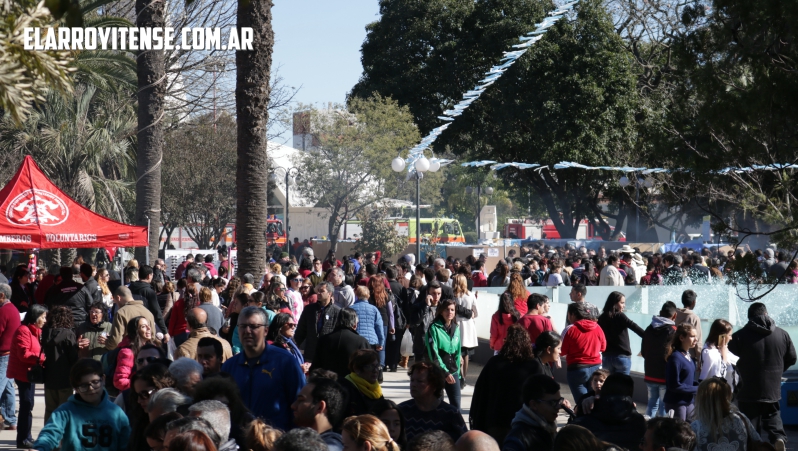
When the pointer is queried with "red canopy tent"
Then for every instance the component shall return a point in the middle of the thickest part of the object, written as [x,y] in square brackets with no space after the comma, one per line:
[34,213]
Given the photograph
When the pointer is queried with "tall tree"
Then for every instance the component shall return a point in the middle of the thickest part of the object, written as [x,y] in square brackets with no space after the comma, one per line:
[347,169]
[253,69]
[151,93]
[199,188]
[570,97]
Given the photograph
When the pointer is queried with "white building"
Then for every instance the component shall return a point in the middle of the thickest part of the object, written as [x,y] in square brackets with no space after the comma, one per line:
[305,219]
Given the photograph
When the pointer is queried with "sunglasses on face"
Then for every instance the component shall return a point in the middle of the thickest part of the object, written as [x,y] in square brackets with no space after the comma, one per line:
[146,393]
[141,360]
[291,325]
[297,280]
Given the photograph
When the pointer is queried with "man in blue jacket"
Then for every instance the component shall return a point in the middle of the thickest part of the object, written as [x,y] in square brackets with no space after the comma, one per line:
[268,377]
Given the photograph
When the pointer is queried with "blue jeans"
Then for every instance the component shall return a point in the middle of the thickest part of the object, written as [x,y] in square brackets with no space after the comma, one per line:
[617,363]
[656,406]
[453,392]
[7,394]
[578,380]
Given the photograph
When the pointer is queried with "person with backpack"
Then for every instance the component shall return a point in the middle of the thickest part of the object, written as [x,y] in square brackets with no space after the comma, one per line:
[60,349]
[654,348]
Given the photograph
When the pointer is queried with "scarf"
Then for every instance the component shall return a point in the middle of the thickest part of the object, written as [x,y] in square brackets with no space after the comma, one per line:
[372,391]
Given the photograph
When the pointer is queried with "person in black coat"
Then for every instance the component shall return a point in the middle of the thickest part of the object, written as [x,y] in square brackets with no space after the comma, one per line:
[317,319]
[22,290]
[333,350]
[614,417]
[765,352]
[69,293]
[613,321]
[60,349]
[535,424]
[496,396]
[141,286]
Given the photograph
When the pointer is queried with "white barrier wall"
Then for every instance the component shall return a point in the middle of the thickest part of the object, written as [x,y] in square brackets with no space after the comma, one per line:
[642,302]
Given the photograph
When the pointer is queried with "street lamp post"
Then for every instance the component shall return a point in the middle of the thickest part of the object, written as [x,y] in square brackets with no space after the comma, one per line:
[489,191]
[638,183]
[290,175]
[421,165]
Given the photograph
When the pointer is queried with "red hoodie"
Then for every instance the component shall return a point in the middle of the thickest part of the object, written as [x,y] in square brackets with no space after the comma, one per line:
[583,343]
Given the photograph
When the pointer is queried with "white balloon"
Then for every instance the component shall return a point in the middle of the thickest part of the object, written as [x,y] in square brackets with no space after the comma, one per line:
[422,164]
[398,164]
[434,165]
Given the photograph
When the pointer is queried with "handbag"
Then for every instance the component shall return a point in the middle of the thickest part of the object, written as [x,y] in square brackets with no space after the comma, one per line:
[36,372]
[755,445]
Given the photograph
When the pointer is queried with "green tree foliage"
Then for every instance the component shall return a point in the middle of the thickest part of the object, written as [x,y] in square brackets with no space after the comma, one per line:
[199,183]
[26,76]
[346,170]
[571,97]
[84,143]
[379,234]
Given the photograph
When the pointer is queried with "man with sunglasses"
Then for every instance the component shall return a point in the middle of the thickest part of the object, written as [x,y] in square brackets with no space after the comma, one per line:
[88,420]
[535,425]
[268,377]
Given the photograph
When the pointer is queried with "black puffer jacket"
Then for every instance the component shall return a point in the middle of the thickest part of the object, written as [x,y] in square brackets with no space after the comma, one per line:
[654,348]
[61,352]
[615,419]
[765,352]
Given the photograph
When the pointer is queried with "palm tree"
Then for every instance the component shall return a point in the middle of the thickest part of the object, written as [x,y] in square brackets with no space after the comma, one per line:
[84,144]
[252,100]
[26,75]
[151,92]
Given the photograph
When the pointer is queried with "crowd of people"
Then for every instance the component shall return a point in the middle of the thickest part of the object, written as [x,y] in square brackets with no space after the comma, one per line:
[146,359]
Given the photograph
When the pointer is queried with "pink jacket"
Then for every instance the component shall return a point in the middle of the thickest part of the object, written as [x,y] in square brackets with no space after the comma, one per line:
[125,362]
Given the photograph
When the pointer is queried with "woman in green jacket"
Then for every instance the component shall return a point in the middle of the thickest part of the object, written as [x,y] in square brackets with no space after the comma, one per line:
[443,347]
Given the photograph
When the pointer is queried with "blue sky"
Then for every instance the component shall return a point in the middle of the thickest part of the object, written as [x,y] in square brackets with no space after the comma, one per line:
[317,46]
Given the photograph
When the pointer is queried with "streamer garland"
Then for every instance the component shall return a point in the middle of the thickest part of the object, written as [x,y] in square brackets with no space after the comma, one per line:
[469,97]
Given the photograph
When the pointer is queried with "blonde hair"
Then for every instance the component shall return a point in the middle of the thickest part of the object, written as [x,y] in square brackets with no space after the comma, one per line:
[518,266]
[362,292]
[100,282]
[459,285]
[205,295]
[276,268]
[133,263]
[260,436]
[368,428]
[713,404]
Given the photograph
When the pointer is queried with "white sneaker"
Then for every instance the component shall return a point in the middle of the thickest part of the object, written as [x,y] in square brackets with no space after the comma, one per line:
[780,445]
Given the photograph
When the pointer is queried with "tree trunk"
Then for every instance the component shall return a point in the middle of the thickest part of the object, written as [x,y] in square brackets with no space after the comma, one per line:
[68,256]
[151,91]
[253,69]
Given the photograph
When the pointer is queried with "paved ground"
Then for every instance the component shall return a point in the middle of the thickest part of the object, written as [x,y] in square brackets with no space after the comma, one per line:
[396,387]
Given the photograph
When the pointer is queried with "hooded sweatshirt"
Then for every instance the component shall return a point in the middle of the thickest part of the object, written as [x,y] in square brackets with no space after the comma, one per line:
[655,346]
[765,352]
[583,344]
[79,425]
[529,432]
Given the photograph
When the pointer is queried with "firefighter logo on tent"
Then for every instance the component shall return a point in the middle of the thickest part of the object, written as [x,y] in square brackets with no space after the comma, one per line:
[37,207]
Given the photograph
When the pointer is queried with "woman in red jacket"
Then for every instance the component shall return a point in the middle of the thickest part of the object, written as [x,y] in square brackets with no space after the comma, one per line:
[26,351]
[504,317]
[582,344]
